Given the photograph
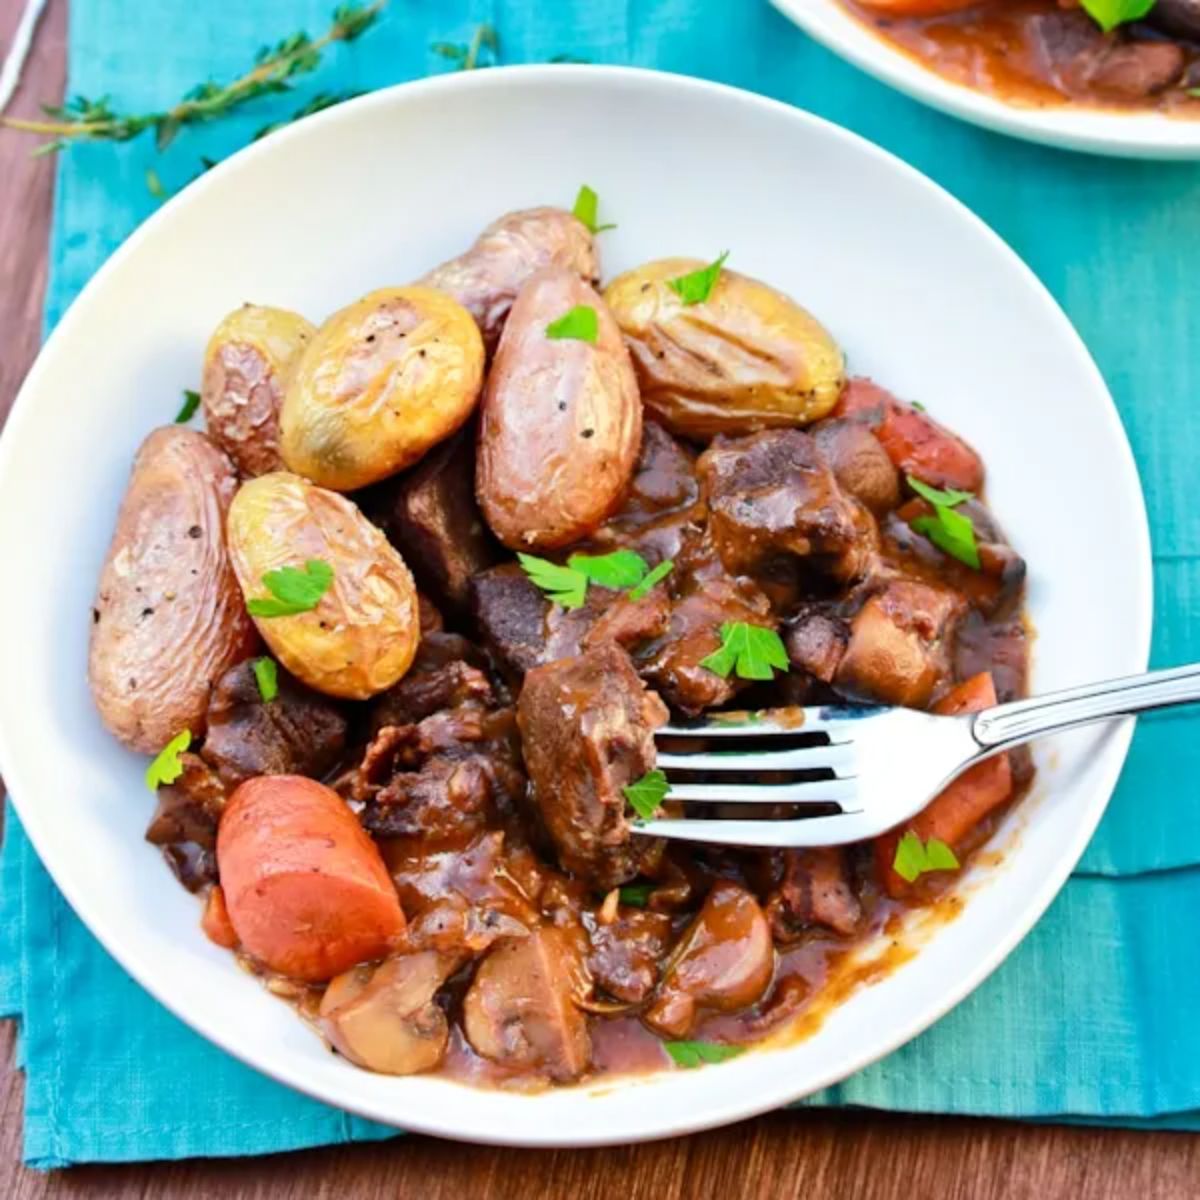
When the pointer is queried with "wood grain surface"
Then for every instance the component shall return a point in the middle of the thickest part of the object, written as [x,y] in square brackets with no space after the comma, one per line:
[848,1155]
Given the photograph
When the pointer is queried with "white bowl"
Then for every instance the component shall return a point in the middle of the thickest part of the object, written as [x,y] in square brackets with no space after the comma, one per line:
[1098,131]
[372,193]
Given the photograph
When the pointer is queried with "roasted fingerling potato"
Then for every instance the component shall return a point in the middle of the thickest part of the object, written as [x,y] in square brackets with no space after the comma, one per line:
[382,381]
[747,358]
[360,635]
[169,619]
[561,422]
[247,364]
[486,278]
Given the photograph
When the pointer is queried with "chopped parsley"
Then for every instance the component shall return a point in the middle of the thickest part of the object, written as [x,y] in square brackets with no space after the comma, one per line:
[567,585]
[951,532]
[1108,14]
[915,858]
[696,1054]
[753,651]
[697,286]
[266,675]
[191,402]
[636,894]
[292,590]
[646,795]
[579,324]
[166,767]
[586,210]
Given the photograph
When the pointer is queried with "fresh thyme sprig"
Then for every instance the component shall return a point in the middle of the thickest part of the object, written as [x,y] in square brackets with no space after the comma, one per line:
[83,119]
[483,50]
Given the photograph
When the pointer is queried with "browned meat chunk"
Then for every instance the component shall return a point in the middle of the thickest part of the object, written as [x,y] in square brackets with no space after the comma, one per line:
[900,644]
[816,641]
[524,630]
[587,727]
[446,672]
[184,824]
[771,495]
[1180,18]
[859,463]
[815,890]
[431,517]
[726,961]
[521,1010]
[626,953]
[299,732]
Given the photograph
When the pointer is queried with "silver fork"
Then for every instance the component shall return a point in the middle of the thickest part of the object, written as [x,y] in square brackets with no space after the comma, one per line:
[880,766]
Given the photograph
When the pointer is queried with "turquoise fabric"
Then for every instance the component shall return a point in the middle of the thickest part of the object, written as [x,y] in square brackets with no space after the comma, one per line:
[1094,1017]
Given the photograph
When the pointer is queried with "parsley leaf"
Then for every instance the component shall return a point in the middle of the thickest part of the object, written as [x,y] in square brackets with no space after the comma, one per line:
[952,532]
[1108,14]
[166,767]
[659,573]
[636,894]
[586,210]
[697,286]
[914,858]
[562,585]
[696,1054]
[292,590]
[754,651]
[579,324]
[620,569]
[191,402]
[266,675]
[917,405]
[646,795]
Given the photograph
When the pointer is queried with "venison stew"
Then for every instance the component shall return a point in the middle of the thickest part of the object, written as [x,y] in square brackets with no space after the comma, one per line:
[1113,54]
[401,627]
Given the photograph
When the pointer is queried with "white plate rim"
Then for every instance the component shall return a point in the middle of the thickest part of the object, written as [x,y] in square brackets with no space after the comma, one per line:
[1092,131]
[774,1093]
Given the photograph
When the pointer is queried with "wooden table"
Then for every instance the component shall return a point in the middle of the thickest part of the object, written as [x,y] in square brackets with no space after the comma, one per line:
[851,1156]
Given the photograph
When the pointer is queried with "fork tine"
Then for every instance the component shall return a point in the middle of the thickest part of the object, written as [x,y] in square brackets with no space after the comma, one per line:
[819,790]
[809,831]
[838,756]
[836,720]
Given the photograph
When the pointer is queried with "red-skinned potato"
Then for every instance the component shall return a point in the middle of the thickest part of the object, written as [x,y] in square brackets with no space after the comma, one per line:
[247,364]
[561,420]
[169,619]
[305,888]
[486,278]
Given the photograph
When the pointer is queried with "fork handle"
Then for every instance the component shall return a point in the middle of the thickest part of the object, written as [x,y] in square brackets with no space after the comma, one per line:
[1023,720]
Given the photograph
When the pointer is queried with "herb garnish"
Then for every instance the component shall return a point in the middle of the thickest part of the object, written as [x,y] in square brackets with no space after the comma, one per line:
[696,1054]
[567,585]
[1108,14]
[579,324]
[292,590]
[166,767]
[754,651]
[950,531]
[83,119]
[646,795]
[697,286]
[266,675]
[636,894]
[914,857]
[191,402]
[469,56]
[586,210]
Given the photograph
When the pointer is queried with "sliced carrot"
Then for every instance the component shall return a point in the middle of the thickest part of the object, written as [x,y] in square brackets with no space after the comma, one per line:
[215,921]
[953,813]
[915,8]
[307,892]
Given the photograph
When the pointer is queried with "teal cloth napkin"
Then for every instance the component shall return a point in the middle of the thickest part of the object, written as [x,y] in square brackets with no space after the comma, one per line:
[1094,1016]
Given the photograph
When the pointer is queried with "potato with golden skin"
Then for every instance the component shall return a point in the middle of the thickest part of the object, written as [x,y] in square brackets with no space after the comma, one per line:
[486,278]
[361,636]
[561,422]
[169,619]
[247,363]
[382,381]
[745,359]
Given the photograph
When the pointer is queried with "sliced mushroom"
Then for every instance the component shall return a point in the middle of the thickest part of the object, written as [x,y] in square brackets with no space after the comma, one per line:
[725,961]
[384,1017]
[522,1011]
